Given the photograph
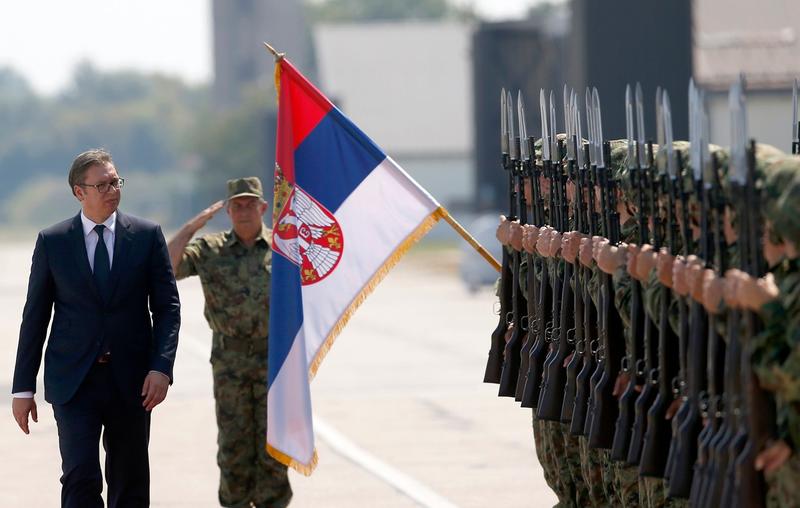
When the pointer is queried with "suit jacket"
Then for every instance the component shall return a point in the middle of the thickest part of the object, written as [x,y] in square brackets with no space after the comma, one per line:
[138,324]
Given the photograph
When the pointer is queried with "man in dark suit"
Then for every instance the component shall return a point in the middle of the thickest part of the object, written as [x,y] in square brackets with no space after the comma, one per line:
[112,344]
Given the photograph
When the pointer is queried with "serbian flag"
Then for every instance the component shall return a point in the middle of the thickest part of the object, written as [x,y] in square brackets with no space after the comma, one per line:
[344,215]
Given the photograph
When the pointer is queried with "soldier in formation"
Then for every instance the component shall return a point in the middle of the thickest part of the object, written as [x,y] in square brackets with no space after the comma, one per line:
[234,268]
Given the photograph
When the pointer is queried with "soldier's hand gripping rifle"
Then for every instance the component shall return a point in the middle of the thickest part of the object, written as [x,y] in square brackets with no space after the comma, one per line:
[606,408]
[538,352]
[686,452]
[632,362]
[494,364]
[511,358]
[579,209]
[583,386]
[554,382]
[658,436]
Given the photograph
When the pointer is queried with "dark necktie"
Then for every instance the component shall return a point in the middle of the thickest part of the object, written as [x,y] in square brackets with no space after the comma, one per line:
[102,265]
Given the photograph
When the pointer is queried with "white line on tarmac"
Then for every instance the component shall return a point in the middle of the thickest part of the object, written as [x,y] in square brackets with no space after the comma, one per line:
[394,477]
[349,450]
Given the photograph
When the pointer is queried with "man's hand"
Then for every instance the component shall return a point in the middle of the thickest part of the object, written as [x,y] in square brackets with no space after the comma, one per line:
[645,263]
[713,289]
[502,230]
[543,242]
[773,457]
[585,252]
[664,267]
[515,236]
[530,234]
[633,256]
[154,390]
[202,218]
[21,408]
[754,293]
[610,257]
[570,243]
[555,244]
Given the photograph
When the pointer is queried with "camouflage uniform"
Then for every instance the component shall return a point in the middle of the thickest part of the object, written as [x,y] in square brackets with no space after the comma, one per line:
[776,351]
[236,281]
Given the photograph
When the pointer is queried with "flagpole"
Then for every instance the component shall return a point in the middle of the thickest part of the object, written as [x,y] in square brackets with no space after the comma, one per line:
[278,56]
[470,239]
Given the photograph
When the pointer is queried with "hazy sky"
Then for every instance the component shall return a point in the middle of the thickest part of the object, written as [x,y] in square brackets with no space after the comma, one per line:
[44,39]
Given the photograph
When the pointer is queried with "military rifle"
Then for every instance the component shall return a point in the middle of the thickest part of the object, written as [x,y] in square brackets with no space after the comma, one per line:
[555,378]
[686,451]
[537,357]
[583,382]
[658,436]
[756,406]
[526,164]
[494,364]
[579,209]
[632,364]
[606,407]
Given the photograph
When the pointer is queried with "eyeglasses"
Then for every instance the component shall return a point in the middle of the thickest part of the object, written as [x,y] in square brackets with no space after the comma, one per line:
[104,187]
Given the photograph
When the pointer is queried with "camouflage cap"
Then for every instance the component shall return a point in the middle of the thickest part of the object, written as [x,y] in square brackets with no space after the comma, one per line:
[786,211]
[780,194]
[247,186]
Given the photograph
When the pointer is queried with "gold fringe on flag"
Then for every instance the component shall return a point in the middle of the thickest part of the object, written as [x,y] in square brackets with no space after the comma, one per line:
[304,469]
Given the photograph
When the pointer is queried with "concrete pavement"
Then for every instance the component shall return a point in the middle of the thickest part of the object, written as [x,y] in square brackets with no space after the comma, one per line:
[402,386]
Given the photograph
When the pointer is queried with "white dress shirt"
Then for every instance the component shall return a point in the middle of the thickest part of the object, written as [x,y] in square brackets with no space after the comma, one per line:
[90,238]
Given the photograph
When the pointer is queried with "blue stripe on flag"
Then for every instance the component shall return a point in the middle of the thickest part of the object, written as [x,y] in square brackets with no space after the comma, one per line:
[334,159]
[286,309]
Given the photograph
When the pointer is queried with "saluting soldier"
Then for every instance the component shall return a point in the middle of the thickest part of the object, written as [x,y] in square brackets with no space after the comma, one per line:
[234,268]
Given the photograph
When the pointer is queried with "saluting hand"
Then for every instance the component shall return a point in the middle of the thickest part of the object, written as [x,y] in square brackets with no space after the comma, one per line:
[200,220]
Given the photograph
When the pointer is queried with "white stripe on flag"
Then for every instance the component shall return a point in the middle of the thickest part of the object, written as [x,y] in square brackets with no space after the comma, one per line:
[375,219]
[289,425]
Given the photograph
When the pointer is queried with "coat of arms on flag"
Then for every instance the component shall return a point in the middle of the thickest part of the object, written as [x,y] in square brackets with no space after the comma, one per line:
[344,215]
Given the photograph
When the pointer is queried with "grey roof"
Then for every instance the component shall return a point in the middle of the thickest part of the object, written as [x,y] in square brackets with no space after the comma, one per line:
[760,39]
[408,85]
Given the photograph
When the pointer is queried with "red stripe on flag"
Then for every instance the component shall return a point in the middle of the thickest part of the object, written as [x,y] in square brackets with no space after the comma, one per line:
[307,105]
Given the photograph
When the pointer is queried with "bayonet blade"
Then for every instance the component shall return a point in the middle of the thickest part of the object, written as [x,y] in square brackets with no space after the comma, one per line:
[578,131]
[524,153]
[513,146]
[694,132]
[545,130]
[640,136]
[659,116]
[795,125]
[736,104]
[598,120]
[553,131]
[503,122]
[629,127]
[589,127]
[672,166]
[568,126]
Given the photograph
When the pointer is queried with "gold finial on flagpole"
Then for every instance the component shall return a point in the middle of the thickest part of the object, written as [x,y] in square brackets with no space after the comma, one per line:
[278,56]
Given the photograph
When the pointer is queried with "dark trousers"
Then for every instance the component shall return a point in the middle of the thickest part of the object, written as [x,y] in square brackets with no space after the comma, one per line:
[97,408]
